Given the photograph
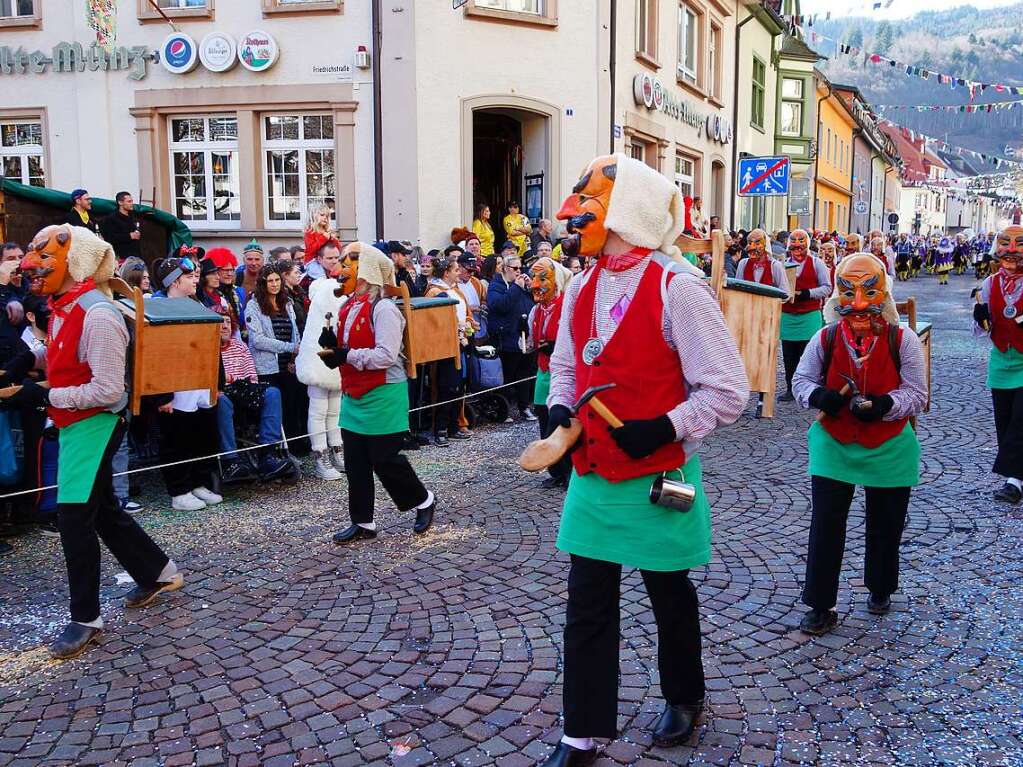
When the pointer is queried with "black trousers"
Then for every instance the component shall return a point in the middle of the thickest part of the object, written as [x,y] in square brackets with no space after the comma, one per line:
[791,351]
[83,525]
[380,454]
[592,635]
[294,409]
[188,435]
[516,366]
[886,517]
[563,467]
[1008,406]
[448,386]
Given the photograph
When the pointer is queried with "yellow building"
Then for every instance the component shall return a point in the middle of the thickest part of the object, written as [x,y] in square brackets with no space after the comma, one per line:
[833,165]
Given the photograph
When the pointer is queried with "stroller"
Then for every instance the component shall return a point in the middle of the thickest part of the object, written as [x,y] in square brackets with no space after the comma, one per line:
[483,368]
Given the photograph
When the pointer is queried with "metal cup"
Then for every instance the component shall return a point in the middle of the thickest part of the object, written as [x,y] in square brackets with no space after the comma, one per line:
[672,494]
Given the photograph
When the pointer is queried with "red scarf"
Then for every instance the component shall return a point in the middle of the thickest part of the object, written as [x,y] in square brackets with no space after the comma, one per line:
[862,349]
[58,303]
[622,261]
[1009,281]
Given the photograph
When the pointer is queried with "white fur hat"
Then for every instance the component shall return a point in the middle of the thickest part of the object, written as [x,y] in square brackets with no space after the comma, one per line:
[645,208]
[374,267]
[89,256]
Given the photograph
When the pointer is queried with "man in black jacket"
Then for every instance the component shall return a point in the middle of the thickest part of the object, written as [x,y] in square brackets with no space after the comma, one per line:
[80,213]
[122,229]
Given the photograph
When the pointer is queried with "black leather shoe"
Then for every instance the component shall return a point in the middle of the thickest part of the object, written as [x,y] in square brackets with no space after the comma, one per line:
[140,596]
[354,533]
[818,622]
[554,483]
[569,756]
[237,471]
[73,641]
[1008,493]
[424,519]
[676,723]
[877,605]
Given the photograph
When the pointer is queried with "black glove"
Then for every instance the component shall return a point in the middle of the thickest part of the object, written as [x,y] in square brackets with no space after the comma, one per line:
[30,395]
[803,295]
[558,415]
[640,438]
[336,358]
[828,400]
[880,404]
[981,314]
[328,338]
[546,348]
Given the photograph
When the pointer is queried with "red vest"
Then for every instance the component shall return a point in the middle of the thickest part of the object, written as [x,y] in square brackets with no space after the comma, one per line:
[356,383]
[766,276]
[646,370]
[1004,331]
[881,377]
[63,368]
[806,279]
[544,332]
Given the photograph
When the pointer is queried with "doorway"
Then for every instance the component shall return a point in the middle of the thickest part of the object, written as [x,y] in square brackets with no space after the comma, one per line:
[497,164]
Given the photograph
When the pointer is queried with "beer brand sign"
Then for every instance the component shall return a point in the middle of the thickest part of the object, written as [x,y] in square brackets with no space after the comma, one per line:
[73,57]
[647,91]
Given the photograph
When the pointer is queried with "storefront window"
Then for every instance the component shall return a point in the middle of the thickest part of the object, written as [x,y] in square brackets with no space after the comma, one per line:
[204,164]
[21,151]
[12,9]
[688,36]
[299,152]
[685,175]
[757,107]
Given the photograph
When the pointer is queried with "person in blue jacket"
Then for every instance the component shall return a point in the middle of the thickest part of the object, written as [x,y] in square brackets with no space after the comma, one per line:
[509,303]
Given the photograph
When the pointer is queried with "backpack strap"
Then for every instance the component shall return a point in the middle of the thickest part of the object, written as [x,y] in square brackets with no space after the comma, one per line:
[895,346]
[828,345]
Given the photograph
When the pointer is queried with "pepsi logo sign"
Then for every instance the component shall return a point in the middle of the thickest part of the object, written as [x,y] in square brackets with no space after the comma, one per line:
[178,53]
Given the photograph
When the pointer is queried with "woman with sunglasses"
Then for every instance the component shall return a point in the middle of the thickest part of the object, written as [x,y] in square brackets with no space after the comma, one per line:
[188,419]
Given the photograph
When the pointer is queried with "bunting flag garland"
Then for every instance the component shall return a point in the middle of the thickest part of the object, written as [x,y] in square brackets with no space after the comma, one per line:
[997,106]
[914,136]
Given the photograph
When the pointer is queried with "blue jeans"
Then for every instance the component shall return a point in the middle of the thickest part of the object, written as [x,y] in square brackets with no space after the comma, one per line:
[270,427]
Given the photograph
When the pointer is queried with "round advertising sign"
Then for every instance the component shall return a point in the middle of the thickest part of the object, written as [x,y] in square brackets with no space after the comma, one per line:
[217,52]
[658,94]
[178,53]
[257,51]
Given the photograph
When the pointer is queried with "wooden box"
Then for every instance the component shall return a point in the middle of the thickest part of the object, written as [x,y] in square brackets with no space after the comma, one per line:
[175,344]
[431,330]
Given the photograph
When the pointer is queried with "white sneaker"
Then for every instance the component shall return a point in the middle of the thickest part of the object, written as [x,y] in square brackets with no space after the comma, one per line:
[325,467]
[337,456]
[528,414]
[187,502]
[210,498]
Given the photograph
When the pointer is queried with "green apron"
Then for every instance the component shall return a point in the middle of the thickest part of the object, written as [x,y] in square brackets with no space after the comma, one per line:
[383,410]
[81,446]
[895,463]
[1005,369]
[800,327]
[615,522]
[542,388]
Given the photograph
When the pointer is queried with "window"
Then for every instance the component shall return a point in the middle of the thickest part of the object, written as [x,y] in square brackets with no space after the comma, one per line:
[688,42]
[204,166]
[298,6]
[514,6]
[714,53]
[791,115]
[201,9]
[827,147]
[20,13]
[21,151]
[759,80]
[646,28]
[685,175]
[534,12]
[299,154]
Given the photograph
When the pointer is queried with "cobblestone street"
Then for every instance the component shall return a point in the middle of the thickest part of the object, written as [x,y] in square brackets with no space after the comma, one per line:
[446,649]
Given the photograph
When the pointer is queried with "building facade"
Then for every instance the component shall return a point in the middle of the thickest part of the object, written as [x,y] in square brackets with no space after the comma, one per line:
[235,124]
[834,160]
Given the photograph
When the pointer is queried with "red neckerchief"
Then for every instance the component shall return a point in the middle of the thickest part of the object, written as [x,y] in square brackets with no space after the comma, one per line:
[623,261]
[61,304]
[862,348]
[1009,281]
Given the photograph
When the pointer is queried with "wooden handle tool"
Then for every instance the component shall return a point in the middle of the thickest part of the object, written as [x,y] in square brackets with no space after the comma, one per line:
[544,453]
[843,391]
[602,410]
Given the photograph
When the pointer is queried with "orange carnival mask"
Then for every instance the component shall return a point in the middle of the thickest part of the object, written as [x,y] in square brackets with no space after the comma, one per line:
[862,292]
[1009,248]
[799,244]
[46,262]
[585,210]
[877,247]
[756,244]
[853,243]
[347,273]
[827,253]
[542,283]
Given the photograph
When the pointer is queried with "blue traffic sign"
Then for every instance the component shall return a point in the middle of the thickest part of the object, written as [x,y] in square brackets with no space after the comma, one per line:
[763,176]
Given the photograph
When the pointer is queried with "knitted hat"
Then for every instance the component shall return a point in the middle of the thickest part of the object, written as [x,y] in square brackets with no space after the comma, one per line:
[253,246]
[374,267]
[75,194]
[222,258]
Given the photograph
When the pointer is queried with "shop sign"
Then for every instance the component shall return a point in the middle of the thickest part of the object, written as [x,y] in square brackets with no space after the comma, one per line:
[178,53]
[217,52]
[648,91]
[72,57]
[258,51]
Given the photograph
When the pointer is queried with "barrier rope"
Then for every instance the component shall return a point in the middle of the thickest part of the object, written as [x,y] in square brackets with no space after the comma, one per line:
[221,454]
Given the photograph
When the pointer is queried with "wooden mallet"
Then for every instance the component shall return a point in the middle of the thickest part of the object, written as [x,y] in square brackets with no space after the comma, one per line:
[544,453]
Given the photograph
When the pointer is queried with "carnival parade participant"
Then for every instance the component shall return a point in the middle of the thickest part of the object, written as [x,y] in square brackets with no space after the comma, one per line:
[829,255]
[801,317]
[87,348]
[548,280]
[919,254]
[943,260]
[853,243]
[903,257]
[758,265]
[877,250]
[374,397]
[867,377]
[998,313]
[647,322]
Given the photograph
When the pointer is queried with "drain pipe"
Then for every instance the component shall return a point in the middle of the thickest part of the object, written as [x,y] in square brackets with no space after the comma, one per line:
[378,127]
[612,66]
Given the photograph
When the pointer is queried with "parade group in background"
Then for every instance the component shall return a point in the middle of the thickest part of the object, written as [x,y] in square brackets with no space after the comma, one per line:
[636,368]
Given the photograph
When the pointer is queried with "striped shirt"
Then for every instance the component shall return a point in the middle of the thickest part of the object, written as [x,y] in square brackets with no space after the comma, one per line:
[238,362]
[103,344]
[693,326]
